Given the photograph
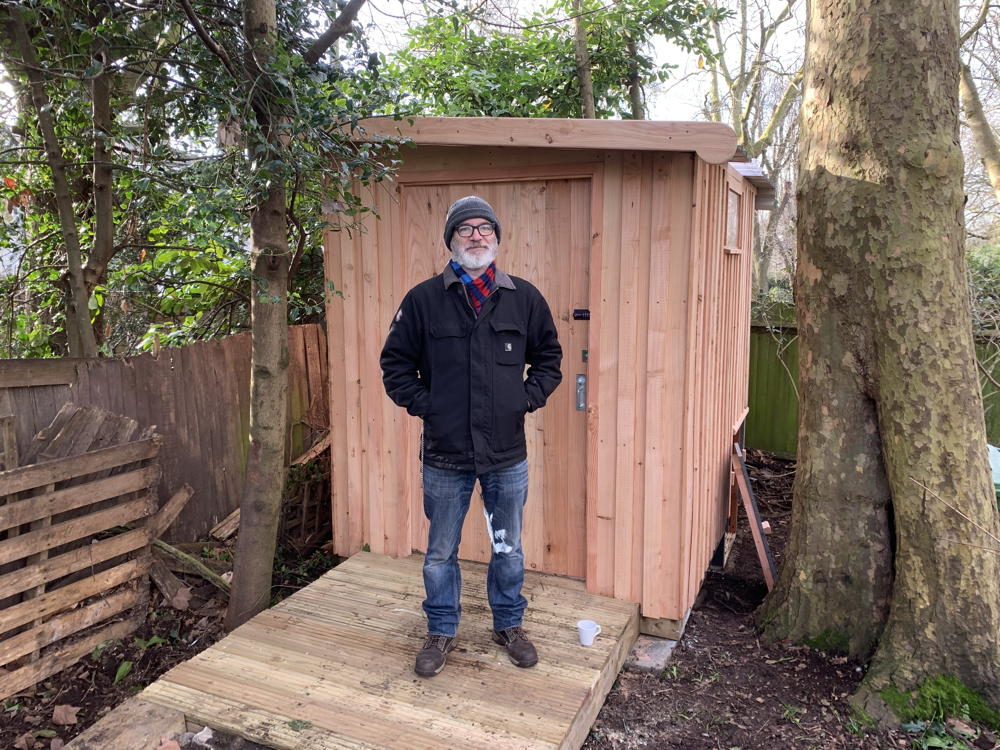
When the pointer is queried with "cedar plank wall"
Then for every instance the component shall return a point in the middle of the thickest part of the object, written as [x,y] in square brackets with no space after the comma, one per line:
[198,398]
[662,392]
[715,375]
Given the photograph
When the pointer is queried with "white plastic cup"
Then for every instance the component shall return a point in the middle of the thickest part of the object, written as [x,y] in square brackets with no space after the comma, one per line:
[588,630]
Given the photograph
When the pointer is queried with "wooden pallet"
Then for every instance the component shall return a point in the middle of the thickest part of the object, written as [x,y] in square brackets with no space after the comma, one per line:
[332,667]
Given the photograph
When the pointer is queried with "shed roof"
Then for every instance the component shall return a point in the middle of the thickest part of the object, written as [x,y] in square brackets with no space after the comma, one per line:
[756,177]
[712,141]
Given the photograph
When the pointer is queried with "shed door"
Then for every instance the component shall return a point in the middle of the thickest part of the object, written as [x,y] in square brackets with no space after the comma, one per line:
[546,239]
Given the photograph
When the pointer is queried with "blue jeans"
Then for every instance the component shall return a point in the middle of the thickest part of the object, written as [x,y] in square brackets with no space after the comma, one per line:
[446,501]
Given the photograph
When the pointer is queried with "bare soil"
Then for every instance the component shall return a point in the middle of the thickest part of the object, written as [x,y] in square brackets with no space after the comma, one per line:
[724,689]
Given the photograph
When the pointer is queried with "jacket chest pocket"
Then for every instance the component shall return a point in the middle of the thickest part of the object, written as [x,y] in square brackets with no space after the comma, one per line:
[508,342]
[447,355]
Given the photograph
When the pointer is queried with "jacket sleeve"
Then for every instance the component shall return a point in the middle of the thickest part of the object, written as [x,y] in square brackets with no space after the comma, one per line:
[400,360]
[543,355]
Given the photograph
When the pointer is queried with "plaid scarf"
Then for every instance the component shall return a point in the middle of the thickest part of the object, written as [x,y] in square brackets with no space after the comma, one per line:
[479,288]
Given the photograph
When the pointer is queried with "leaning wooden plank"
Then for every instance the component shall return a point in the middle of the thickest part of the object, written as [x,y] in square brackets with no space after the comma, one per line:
[8,444]
[136,724]
[180,561]
[753,517]
[21,679]
[64,598]
[60,501]
[41,440]
[68,531]
[192,563]
[318,447]
[67,624]
[8,432]
[39,475]
[168,584]
[77,436]
[170,510]
[82,557]
[226,527]
[16,373]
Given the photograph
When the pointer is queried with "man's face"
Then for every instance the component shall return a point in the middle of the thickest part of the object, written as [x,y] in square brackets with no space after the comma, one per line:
[476,252]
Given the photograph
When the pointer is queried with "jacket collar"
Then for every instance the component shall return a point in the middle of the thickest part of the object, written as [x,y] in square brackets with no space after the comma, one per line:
[502,279]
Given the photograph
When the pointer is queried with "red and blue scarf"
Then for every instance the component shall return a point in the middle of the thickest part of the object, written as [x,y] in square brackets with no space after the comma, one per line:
[479,288]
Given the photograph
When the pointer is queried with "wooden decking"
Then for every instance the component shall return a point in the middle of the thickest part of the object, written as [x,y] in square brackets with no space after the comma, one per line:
[331,667]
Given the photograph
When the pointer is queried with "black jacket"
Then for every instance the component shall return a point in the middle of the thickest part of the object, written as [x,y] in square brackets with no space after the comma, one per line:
[464,375]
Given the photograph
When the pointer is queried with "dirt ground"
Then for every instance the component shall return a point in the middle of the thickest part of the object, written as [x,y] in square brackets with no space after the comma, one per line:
[723,690]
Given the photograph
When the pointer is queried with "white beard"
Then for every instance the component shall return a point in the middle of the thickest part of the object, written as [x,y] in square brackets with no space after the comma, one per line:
[474,264]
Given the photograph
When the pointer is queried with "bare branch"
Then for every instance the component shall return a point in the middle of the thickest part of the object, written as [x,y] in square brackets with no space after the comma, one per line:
[205,37]
[791,91]
[984,10]
[988,374]
[337,29]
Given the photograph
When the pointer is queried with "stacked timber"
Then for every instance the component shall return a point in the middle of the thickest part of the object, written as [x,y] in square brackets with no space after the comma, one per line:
[74,546]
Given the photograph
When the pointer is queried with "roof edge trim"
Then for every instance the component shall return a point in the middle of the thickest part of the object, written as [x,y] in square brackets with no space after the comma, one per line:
[712,141]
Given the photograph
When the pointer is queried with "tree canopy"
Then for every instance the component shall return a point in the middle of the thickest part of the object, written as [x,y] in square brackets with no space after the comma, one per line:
[459,62]
[160,165]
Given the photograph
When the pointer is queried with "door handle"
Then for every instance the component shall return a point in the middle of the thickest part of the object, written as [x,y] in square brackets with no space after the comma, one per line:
[581,392]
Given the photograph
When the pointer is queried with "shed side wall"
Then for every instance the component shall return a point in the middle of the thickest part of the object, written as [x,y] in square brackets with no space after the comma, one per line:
[716,360]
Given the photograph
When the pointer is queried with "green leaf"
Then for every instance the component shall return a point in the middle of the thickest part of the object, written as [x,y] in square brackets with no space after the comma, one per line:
[123,671]
[100,648]
[94,69]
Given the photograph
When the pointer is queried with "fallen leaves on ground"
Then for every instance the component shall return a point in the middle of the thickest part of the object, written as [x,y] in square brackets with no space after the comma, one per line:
[64,714]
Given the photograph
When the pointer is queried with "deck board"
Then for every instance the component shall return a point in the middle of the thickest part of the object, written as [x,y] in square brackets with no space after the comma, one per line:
[331,667]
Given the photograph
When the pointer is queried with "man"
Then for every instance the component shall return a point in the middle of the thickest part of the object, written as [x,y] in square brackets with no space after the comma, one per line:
[455,357]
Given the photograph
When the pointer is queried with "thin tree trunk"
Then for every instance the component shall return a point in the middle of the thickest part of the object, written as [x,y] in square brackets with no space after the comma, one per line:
[260,505]
[104,222]
[764,240]
[79,331]
[634,84]
[891,431]
[583,62]
[982,132]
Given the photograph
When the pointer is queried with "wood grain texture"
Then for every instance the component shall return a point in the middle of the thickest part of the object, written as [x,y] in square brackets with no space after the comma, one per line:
[134,725]
[337,657]
[713,142]
[632,494]
[196,396]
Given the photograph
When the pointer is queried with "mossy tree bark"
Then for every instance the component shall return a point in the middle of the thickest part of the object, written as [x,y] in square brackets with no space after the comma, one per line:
[260,506]
[893,551]
[271,257]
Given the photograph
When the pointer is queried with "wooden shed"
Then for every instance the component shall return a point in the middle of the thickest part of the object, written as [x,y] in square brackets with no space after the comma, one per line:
[639,235]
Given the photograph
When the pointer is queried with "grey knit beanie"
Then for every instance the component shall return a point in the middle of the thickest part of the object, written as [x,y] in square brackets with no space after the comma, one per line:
[469,207]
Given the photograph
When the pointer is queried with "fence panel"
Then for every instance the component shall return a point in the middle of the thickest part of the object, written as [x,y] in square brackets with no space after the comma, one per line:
[198,398]
[772,423]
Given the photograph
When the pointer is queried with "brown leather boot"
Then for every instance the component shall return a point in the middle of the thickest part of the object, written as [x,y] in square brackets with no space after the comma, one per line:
[519,648]
[432,657]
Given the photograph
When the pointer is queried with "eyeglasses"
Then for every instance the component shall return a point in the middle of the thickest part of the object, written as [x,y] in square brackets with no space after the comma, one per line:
[466,230]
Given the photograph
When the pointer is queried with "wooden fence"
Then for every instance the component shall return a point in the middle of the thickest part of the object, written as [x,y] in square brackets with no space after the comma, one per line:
[772,423]
[198,398]
[74,553]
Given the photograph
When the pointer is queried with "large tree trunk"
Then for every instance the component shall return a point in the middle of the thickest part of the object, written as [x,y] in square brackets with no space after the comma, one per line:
[79,331]
[894,509]
[982,132]
[260,505]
